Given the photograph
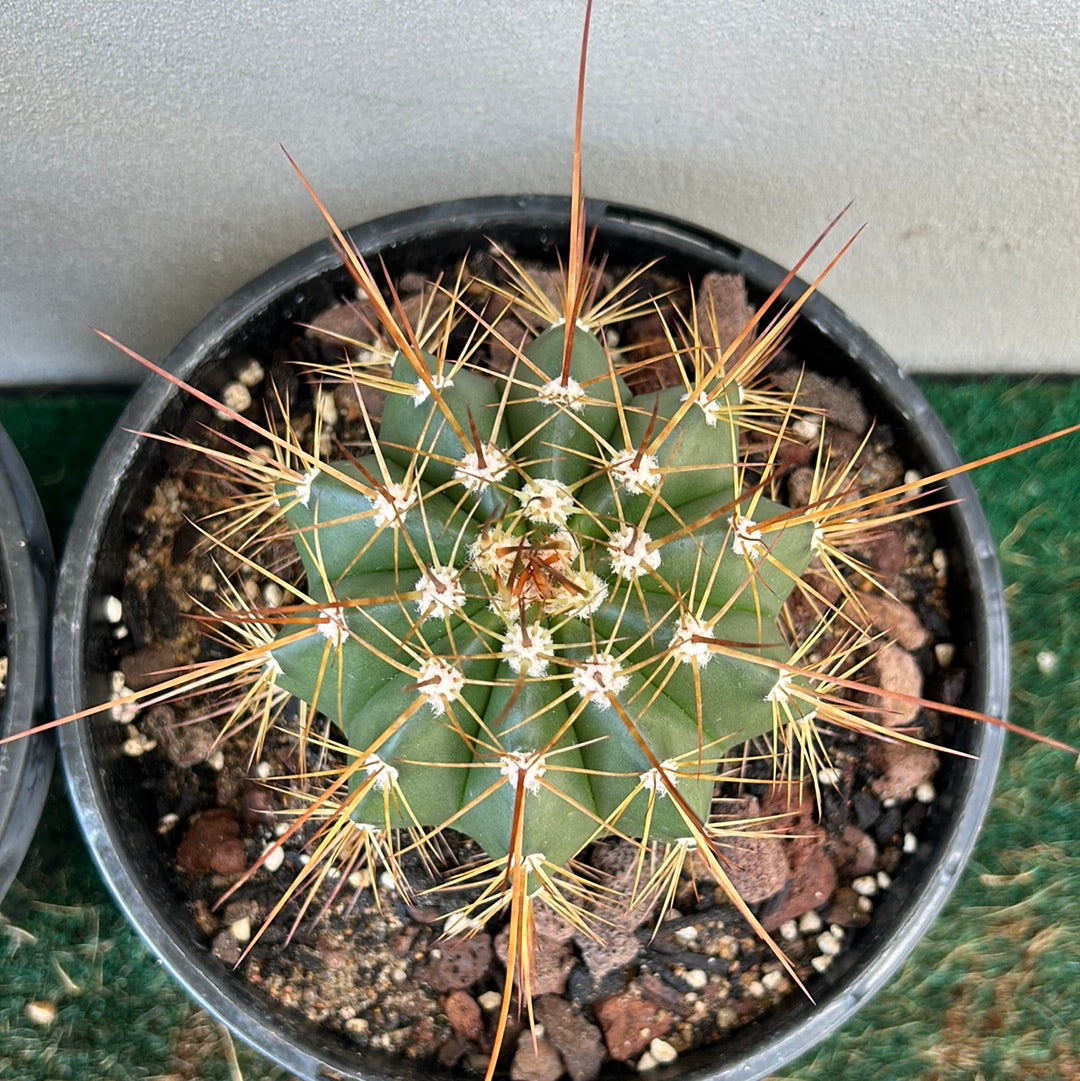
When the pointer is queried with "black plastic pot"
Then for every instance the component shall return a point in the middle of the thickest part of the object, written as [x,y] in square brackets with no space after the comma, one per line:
[26,580]
[105,786]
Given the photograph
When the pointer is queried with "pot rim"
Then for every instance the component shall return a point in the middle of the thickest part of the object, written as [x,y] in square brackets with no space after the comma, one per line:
[26,580]
[789,1036]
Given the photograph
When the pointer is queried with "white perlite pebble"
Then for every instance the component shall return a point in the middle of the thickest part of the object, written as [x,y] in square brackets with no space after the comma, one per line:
[686,934]
[829,775]
[828,943]
[789,931]
[241,929]
[697,978]
[662,1052]
[216,761]
[945,652]
[810,923]
[883,880]
[821,962]
[925,792]
[775,980]
[234,396]
[275,857]
[262,770]
[865,885]
[490,1001]
[107,609]
[646,1063]
[864,904]
[911,843]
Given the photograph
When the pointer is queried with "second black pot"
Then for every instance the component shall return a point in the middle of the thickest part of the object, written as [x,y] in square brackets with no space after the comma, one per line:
[104,784]
[26,580]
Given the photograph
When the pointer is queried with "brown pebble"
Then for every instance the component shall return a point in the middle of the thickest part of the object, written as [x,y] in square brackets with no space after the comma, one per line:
[578,1041]
[461,962]
[893,618]
[629,1023]
[212,843]
[535,1060]
[552,962]
[845,909]
[898,674]
[464,1015]
[226,948]
[147,666]
[902,767]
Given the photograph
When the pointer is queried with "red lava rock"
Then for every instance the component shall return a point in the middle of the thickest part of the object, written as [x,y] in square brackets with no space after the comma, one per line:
[888,555]
[212,843]
[463,1013]
[617,948]
[184,745]
[226,948]
[147,666]
[347,320]
[629,1023]
[813,876]
[552,962]
[854,852]
[844,406]
[902,768]
[897,674]
[535,1060]
[723,307]
[759,866]
[578,1041]
[461,962]
[895,619]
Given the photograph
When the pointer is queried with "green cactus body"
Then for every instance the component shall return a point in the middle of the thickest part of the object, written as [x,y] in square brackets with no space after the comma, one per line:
[516,591]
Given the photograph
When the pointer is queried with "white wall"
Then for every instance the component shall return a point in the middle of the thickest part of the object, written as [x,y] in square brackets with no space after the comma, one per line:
[142,180]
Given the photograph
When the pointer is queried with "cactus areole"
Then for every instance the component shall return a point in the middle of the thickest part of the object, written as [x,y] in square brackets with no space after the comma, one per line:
[517,591]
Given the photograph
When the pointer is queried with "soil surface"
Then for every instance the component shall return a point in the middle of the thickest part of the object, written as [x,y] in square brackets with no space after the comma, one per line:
[376,966]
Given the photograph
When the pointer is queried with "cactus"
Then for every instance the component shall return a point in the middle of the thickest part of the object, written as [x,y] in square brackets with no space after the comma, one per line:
[538,608]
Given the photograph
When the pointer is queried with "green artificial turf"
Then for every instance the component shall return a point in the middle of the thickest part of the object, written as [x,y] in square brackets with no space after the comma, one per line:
[991,993]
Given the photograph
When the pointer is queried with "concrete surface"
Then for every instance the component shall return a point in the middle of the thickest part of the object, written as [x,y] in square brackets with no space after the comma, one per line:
[142,180]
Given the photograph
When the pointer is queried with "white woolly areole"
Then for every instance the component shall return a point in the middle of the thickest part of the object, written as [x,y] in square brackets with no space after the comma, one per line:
[571,395]
[546,501]
[599,677]
[391,503]
[652,780]
[746,537]
[636,472]
[684,642]
[272,666]
[524,648]
[591,593]
[817,539]
[332,625]
[421,393]
[477,477]
[630,554]
[711,408]
[303,489]
[385,775]
[781,689]
[441,594]
[485,555]
[440,682]
[527,767]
